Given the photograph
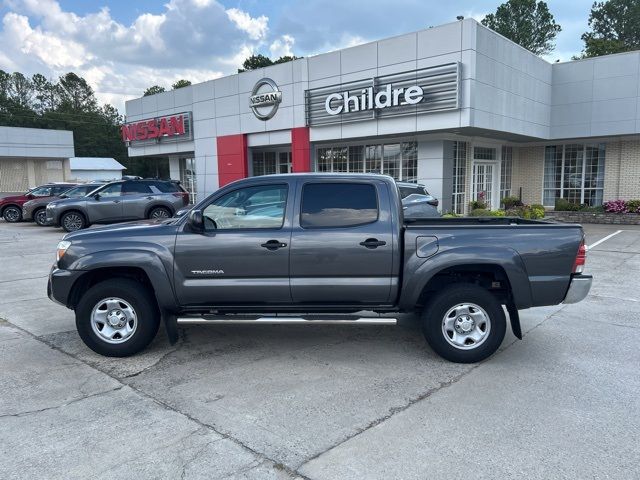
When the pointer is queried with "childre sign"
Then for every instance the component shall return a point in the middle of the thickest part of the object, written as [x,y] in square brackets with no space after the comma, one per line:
[429,89]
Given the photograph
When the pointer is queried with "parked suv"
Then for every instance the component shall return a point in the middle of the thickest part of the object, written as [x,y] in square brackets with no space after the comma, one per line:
[416,201]
[35,210]
[11,207]
[117,202]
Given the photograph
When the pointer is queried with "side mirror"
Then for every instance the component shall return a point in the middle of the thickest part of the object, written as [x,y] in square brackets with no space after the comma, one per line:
[196,220]
[97,196]
[31,196]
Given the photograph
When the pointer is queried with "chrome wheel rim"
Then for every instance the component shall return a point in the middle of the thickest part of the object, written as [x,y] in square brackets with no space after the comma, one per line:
[113,320]
[466,326]
[73,221]
[41,217]
[11,214]
[160,213]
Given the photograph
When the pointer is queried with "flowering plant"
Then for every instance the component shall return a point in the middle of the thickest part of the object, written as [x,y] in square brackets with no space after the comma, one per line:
[616,206]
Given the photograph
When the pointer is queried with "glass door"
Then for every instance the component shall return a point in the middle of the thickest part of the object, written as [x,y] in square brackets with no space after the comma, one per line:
[486,177]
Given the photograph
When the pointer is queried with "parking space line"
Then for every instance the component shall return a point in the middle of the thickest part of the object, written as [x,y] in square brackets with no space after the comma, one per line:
[589,247]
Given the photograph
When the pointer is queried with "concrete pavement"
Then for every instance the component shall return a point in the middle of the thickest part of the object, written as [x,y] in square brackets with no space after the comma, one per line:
[321,402]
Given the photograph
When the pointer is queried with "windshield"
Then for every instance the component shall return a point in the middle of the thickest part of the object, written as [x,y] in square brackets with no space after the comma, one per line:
[80,191]
[40,192]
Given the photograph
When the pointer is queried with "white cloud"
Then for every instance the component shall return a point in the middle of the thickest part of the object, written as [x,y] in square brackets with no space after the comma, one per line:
[255,27]
[193,39]
[282,47]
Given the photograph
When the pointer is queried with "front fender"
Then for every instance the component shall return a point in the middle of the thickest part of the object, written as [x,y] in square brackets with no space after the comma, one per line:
[418,271]
[147,261]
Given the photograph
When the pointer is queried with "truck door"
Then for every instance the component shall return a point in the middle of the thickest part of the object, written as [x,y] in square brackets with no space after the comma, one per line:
[342,243]
[242,257]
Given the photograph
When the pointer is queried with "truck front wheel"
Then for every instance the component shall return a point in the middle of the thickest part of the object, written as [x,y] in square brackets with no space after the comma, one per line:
[117,317]
[464,323]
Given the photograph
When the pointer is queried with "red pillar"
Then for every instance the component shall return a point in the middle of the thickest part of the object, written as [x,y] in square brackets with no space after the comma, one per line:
[232,158]
[300,150]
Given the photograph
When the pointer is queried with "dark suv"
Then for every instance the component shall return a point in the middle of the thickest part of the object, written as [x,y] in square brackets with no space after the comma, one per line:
[11,207]
[117,202]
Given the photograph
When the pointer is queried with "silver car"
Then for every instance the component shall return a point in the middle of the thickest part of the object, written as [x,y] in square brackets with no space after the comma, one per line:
[118,201]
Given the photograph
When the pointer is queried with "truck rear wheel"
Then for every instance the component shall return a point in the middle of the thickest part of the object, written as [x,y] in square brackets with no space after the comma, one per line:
[464,323]
[117,317]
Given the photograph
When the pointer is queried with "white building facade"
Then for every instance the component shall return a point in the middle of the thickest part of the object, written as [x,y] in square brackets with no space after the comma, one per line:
[89,169]
[32,156]
[457,107]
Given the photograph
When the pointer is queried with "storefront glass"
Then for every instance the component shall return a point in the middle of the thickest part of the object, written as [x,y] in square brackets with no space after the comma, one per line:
[188,177]
[459,177]
[399,160]
[574,172]
[269,162]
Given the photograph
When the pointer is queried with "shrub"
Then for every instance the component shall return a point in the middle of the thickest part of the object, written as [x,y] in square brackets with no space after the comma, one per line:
[511,202]
[482,212]
[564,205]
[615,206]
[477,205]
[451,215]
[537,211]
[633,206]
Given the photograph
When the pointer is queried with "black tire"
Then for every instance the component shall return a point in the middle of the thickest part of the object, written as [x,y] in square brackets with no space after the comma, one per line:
[147,316]
[12,214]
[444,323]
[40,217]
[73,221]
[159,212]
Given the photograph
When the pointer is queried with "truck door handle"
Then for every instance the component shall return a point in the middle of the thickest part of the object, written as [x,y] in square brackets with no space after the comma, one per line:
[373,243]
[273,245]
[116,201]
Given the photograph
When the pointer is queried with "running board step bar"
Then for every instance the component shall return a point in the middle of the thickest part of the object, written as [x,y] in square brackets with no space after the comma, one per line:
[275,320]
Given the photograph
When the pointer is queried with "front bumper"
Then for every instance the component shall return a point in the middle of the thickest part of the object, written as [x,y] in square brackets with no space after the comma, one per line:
[61,283]
[578,288]
[27,214]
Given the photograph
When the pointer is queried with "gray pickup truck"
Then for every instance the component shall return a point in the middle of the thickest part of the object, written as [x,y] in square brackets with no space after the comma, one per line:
[313,248]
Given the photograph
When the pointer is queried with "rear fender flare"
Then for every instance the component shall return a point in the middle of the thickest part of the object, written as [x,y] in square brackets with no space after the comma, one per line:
[418,271]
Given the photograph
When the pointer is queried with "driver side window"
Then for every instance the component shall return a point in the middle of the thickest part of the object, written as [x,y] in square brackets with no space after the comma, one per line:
[251,207]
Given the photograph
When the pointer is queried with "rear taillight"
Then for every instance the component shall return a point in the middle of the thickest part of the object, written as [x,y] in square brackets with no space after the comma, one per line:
[184,196]
[581,258]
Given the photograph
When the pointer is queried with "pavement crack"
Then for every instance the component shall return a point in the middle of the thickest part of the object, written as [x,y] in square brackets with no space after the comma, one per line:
[55,407]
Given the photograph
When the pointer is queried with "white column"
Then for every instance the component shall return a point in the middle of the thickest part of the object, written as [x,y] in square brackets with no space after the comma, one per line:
[174,168]
[435,170]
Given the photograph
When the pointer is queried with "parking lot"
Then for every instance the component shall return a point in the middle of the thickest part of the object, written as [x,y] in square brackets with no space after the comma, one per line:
[321,402]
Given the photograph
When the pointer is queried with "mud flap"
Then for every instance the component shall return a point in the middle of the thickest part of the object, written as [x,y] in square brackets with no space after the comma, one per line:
[514,317]
[171,325]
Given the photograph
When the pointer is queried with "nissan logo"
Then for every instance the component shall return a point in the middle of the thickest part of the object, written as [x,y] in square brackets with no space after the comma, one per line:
[265,94]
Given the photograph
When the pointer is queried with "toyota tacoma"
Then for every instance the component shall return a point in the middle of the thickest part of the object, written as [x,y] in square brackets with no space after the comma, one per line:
[314,248]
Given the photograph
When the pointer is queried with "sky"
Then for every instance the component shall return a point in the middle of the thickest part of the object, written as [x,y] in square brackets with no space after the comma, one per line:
[124,46]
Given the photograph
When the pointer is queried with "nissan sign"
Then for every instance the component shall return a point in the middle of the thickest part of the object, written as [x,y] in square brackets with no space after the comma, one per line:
[161,129]
[265,98]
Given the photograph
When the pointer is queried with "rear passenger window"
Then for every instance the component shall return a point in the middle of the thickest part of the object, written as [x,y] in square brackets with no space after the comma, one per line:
[166,187]
[136,188]
[338,205]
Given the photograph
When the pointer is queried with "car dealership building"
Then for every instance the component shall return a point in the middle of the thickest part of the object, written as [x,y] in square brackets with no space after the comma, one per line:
[457,107]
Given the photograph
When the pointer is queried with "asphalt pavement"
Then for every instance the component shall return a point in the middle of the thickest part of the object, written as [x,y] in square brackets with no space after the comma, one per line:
[322,402]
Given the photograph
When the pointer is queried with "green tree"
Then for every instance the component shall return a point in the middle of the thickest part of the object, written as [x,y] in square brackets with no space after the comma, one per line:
[527,23]
[254,62]
[76,94]
[47,94]
[285,59]
[615,27]
[20,90]
[181,84]
[153,90]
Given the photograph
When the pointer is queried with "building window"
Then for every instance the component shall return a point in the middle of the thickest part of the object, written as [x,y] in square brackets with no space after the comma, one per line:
[459,176]
[188,176]
[505,172]
[574,172]
[270,162]
[398,160]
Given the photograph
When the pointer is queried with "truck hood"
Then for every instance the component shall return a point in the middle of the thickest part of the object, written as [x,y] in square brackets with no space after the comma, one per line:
[128,229]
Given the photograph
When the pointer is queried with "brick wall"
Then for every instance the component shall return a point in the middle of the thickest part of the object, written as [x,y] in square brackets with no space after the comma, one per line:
[528,172]
[622,170]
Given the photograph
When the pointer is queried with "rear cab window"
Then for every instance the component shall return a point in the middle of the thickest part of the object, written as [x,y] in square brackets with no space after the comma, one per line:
[338,205]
